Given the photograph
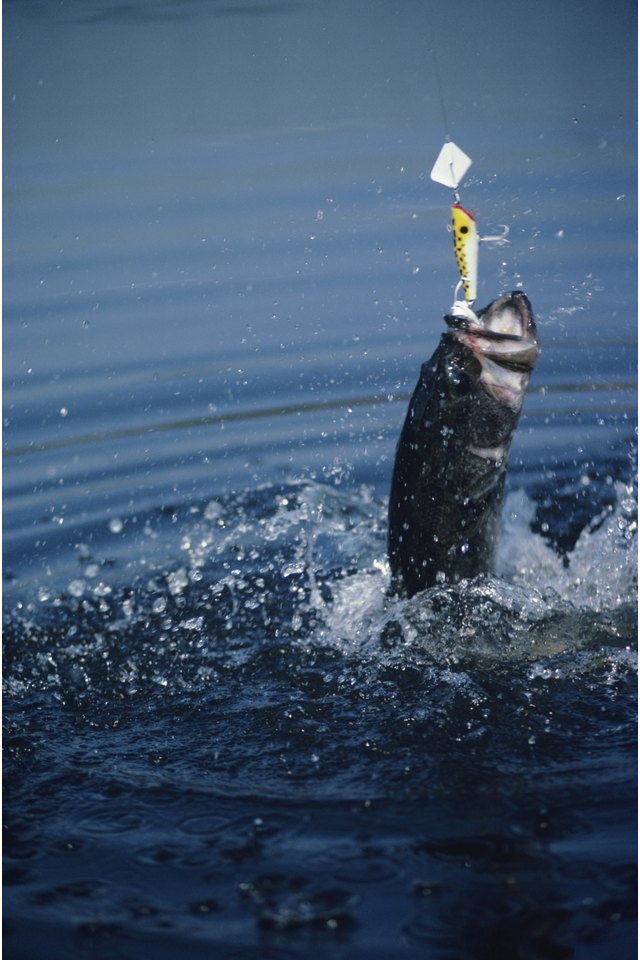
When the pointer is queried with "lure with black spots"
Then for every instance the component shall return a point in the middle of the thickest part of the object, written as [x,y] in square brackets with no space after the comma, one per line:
[465,246]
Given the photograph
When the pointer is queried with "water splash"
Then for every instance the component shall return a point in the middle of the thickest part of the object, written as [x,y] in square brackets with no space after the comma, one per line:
[304,565]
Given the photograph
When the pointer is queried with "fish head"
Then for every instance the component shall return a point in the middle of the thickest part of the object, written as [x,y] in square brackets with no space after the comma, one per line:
[502,339]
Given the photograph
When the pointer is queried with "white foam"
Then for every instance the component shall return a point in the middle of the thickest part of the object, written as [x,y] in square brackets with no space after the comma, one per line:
[536,605]
[602,569]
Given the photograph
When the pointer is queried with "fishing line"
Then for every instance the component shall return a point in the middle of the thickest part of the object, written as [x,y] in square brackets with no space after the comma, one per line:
[449,169]
[445,120]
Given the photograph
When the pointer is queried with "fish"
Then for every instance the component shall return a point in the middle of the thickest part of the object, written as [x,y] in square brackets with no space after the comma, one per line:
[451,459]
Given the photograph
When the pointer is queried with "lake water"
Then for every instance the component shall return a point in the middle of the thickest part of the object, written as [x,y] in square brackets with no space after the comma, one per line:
[224,263]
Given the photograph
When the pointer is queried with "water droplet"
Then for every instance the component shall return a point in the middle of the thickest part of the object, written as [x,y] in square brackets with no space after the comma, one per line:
[115,525]
[212,510]
[177,581]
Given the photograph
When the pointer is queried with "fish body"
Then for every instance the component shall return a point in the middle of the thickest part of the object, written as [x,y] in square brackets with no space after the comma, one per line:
[465,246]
[451,460]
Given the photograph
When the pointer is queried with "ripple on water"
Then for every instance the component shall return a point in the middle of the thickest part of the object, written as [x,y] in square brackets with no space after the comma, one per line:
[201,826]
[105,822]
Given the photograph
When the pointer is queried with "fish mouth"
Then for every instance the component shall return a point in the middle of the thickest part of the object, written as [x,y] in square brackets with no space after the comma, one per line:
[502,337]
[503,331]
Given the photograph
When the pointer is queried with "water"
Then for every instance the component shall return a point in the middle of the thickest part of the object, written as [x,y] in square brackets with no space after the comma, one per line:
[224,264]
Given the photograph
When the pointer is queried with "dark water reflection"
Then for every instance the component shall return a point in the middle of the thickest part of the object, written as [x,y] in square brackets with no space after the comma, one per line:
[224,264]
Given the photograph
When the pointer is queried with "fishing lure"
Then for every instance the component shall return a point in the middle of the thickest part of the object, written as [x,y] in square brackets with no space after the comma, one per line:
[450,167]
[465,246]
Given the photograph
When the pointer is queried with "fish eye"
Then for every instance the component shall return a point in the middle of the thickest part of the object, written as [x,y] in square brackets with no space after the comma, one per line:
[464,229]
[458,382]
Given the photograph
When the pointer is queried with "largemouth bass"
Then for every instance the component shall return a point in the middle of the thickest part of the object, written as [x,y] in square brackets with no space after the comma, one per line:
[451,459]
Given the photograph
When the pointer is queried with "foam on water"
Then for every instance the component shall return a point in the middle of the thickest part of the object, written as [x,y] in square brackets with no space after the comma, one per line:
[601,571]
[539,602]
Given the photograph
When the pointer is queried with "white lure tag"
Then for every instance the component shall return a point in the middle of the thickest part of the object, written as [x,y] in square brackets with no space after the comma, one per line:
[451,165]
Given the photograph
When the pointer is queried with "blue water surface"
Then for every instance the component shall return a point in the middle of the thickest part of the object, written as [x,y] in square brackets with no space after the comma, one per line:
[224,262]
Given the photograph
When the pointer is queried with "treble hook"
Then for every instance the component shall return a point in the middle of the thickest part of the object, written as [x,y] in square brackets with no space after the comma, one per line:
[499,240]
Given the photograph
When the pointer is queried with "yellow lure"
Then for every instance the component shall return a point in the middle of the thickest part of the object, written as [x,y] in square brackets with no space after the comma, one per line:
[465,246]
